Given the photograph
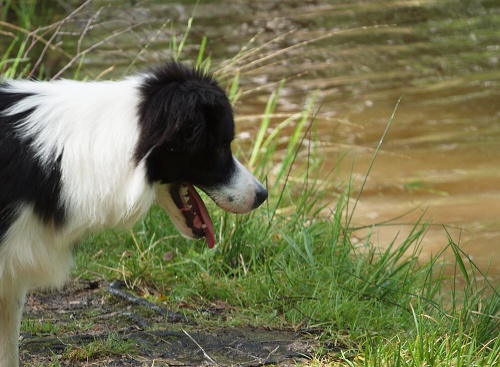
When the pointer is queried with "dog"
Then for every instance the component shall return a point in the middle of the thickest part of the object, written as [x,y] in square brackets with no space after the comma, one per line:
[79,157]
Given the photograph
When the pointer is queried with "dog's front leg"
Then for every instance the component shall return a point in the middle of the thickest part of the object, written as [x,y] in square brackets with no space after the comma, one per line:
[11,309]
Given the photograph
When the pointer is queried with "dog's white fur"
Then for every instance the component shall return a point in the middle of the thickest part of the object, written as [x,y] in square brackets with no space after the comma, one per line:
[95,126]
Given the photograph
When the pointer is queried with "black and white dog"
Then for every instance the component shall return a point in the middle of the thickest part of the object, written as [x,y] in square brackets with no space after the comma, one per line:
[78,157]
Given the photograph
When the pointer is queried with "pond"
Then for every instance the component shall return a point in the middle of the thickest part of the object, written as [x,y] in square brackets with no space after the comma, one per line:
[440,160]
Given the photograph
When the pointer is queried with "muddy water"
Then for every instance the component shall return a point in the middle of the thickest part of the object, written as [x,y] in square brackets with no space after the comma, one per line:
[440,161]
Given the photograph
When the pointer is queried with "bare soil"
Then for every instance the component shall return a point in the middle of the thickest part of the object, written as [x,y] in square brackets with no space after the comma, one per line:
[99,324]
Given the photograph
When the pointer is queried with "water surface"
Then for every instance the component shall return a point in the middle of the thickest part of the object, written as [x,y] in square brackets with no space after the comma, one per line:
[440,160]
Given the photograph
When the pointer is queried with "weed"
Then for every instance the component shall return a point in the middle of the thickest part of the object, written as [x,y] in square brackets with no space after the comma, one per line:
[112,345]
[37,327]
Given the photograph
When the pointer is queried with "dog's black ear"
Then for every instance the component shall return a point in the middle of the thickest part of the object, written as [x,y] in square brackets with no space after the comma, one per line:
[182,109]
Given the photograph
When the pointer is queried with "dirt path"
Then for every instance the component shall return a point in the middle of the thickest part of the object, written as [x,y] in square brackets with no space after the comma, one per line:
[96,324]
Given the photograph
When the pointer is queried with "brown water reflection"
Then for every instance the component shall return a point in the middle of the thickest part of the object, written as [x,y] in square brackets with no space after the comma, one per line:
[441,157]
[440,160]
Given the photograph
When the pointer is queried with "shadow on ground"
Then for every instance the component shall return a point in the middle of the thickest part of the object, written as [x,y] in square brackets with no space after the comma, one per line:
[93,324]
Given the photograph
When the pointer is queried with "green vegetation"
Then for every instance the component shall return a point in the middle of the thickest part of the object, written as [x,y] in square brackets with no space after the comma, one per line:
[112,345]
[295,264]
[37,327]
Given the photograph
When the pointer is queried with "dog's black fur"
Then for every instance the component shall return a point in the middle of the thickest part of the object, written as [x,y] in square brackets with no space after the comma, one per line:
[77,157]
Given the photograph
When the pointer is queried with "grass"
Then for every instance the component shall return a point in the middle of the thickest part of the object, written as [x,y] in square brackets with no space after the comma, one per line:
[294,263]
[289,265]
[112,345]
[36,327]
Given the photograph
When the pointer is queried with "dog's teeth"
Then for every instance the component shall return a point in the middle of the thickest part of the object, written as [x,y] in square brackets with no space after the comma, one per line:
[184,191]
[204,226]
[190,206]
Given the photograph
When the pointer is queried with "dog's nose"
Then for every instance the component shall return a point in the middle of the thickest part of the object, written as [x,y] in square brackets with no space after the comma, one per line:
[260,196]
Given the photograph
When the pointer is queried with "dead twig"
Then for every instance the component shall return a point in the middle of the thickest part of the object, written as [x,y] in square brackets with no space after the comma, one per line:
[199,346]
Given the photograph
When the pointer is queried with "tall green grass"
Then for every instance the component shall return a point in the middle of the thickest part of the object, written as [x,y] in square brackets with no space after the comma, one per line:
[295,264]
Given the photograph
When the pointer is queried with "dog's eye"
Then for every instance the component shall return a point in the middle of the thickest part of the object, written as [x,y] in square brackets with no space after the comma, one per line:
[222,150]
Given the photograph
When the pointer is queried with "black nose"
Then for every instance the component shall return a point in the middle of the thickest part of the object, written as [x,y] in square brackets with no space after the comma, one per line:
[260,197]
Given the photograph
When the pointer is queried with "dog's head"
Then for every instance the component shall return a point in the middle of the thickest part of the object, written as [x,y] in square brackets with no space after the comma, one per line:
[186,129]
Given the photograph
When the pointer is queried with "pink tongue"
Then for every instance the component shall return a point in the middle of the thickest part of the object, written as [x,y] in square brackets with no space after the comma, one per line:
[205,217]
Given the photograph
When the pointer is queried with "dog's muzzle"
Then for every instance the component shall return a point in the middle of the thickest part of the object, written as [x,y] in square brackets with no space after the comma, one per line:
[189,214]
[241,194]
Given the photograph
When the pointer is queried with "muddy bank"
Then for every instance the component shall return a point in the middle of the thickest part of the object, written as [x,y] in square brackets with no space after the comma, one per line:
[95,324]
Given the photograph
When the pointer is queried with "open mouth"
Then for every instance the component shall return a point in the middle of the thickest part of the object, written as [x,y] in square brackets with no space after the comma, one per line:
[192,207]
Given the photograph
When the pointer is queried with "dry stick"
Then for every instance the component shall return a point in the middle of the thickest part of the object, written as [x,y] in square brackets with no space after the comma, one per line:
[34,34]
[272,84]
[245,55]
[280,115]
[35,39]
[21,30]
[301,44]
[199,346]
[69,16]
[104,72]
[96,45]
[45,48]
[56,32]
[146,46]
[238,60]
[115,288]
[86,29]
